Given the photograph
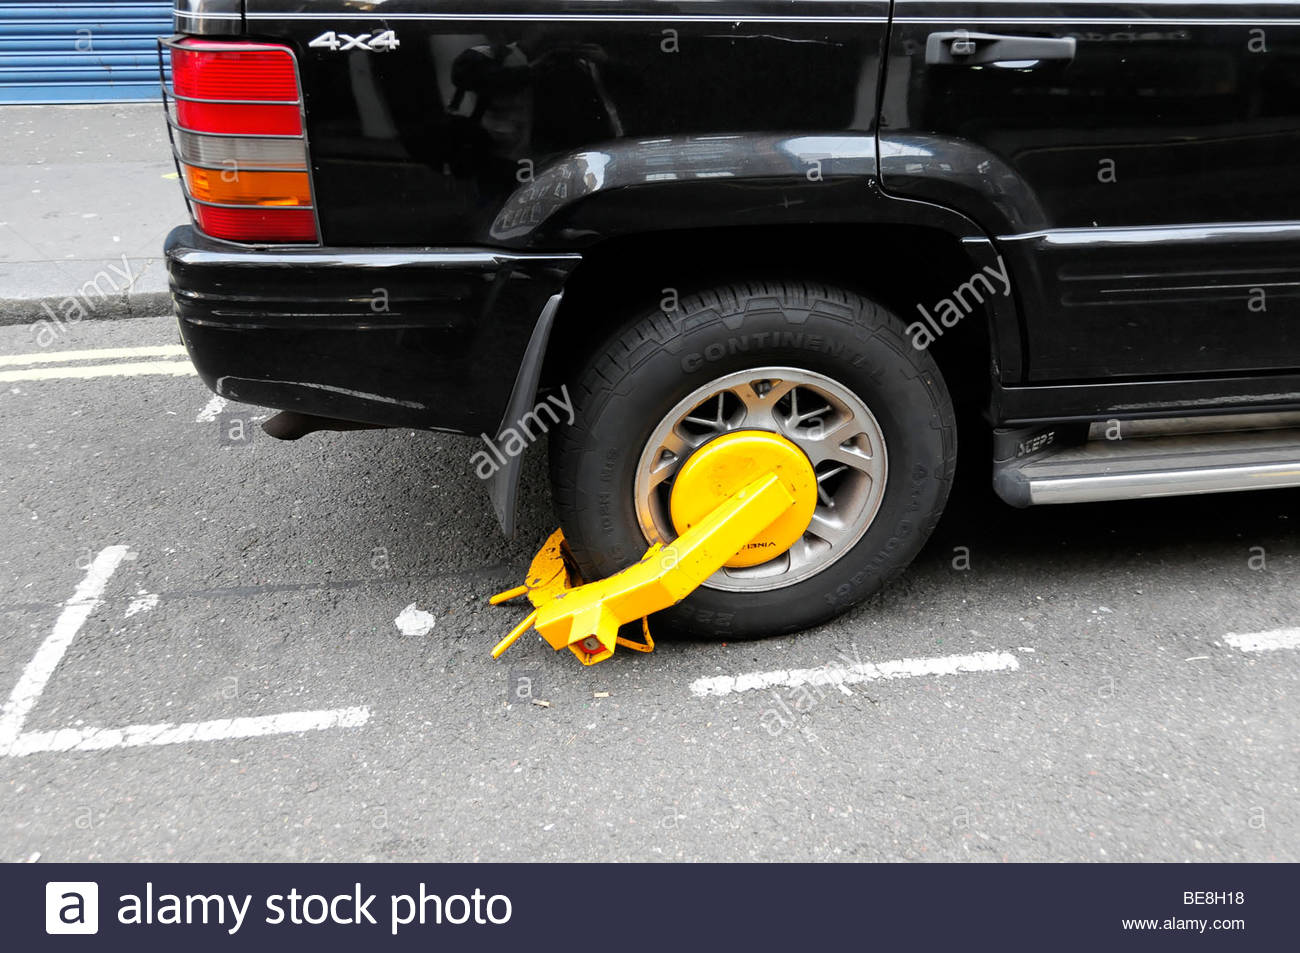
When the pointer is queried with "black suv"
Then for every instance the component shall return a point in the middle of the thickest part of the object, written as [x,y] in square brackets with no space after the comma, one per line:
[1073,229]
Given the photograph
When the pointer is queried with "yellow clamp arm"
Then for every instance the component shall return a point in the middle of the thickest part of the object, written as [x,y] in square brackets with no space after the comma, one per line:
[586,619]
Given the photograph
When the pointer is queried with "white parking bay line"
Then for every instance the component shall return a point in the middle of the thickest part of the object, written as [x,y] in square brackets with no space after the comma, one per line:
[1264,641]
[212,410]
[88,597]
[129,369]
[222,729]
[93,354]
[857,673]
[85,600]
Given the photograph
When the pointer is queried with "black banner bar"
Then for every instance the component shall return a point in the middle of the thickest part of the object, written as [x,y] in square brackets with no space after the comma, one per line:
[645,907]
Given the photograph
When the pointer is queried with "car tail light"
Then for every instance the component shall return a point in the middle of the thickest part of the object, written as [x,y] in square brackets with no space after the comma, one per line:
[277,225]
[234,72]
[239,118]
[218,152]
[240,145]
[248,188]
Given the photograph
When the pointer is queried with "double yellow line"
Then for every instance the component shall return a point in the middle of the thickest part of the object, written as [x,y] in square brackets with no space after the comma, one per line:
[165,359]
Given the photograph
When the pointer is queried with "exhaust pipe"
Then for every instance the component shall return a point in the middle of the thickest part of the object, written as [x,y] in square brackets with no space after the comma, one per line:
[290,425]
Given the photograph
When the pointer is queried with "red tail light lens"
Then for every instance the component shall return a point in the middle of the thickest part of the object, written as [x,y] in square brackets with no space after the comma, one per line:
[239,118]
[240,100]
[269,225]
[240,71]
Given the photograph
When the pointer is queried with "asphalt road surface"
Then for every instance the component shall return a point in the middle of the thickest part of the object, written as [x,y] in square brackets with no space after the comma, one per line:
[226,649]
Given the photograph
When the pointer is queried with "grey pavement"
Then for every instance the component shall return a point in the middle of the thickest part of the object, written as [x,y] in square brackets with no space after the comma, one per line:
[267,578]
[87,195]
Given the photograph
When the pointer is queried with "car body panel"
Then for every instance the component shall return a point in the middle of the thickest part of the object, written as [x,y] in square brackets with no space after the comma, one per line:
[477,100]
[1144,190]
[430,338]
[541,129]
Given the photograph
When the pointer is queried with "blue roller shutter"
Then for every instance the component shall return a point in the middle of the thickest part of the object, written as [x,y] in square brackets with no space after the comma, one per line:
[80,52]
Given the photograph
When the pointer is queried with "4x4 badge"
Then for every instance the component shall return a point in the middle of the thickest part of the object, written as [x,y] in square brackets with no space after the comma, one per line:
[370,42]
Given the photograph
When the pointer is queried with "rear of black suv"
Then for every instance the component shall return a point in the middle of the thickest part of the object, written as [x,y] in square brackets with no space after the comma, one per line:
[271,315]
[827,228]
[385,200]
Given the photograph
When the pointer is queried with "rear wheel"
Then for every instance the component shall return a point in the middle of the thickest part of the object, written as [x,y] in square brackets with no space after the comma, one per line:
[831,372]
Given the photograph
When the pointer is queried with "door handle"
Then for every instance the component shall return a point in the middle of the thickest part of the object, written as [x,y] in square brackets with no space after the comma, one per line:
[963,48]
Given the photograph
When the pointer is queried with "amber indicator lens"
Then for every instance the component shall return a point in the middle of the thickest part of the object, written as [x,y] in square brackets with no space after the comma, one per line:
[232,187]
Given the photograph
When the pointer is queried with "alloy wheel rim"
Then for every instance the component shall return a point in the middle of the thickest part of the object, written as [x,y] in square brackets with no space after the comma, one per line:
[827,421]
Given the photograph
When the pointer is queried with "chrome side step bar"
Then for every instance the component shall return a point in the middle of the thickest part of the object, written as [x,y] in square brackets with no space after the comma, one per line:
[1156,463]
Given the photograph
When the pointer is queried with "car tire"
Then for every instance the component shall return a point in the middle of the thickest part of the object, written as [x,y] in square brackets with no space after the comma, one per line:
[846,347]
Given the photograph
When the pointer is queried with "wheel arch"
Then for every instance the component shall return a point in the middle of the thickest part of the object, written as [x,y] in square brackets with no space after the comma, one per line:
[900,265]
[809,205]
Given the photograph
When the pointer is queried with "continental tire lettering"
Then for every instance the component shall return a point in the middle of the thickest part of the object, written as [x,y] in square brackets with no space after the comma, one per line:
[787,340]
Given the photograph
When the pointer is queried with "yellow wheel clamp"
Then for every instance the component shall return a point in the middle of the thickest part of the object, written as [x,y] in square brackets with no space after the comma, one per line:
[740,500]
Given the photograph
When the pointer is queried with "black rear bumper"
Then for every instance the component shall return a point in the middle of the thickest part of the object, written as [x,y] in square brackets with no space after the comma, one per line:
[410,337]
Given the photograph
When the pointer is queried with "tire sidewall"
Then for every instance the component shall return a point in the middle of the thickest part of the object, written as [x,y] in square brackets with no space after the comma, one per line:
[853,342]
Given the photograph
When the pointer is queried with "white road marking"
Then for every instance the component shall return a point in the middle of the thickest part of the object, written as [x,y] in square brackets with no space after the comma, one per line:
[145,602]
[1264,641]
[222,729]
[212,410]
[841,675]
[132,369]
[87,597]
[413,621]
[94,354]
